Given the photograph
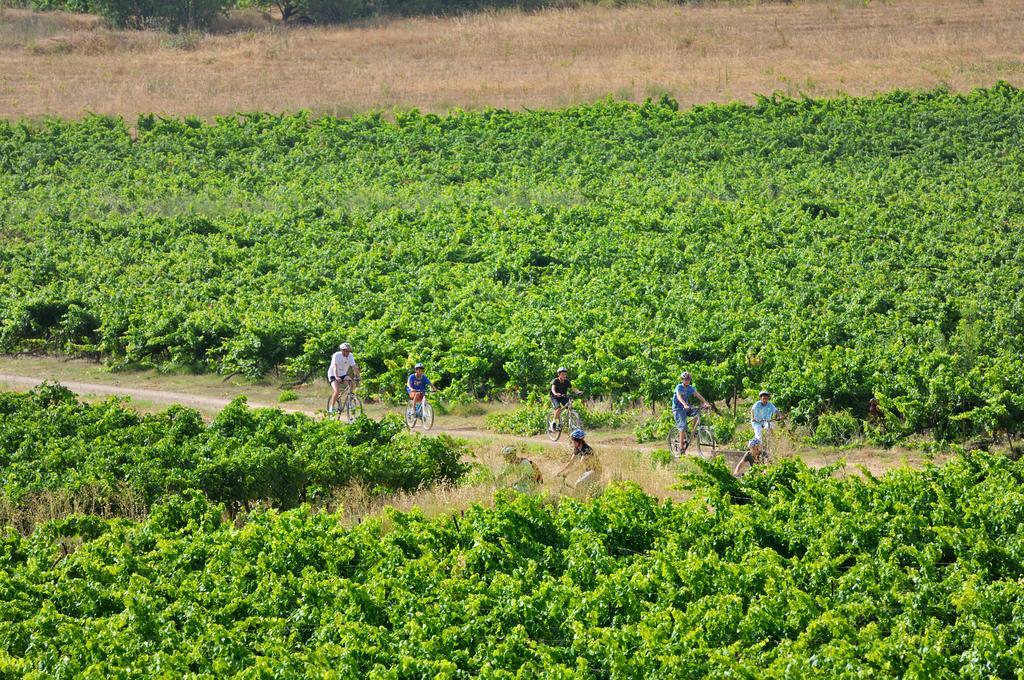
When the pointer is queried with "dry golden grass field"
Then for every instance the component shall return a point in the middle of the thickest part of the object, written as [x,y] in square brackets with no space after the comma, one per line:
[62,65]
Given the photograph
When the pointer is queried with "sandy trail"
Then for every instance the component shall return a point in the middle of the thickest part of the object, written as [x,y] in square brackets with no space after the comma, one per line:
[170,397]
[875,460]
[157,396]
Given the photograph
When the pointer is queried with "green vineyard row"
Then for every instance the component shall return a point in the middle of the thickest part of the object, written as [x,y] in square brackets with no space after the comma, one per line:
[52,444]
[829,250]
[788,573]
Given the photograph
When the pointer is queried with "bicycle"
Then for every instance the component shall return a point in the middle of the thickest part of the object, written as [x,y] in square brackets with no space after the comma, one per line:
[425,415]
[700,434]
[568,419]
[765,457]
[348,406]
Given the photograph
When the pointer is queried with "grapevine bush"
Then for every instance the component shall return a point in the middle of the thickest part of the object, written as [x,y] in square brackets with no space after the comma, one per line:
[725,426]
[50,442]
[786,573]
[835,429]
[532,417]
[831,250]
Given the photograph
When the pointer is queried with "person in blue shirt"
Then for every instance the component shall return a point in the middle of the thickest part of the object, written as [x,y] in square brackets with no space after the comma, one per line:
[683,406]
[762,415]
[417,386]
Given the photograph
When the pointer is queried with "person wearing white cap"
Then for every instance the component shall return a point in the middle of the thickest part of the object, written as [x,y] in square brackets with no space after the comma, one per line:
[343,370]
[762,413]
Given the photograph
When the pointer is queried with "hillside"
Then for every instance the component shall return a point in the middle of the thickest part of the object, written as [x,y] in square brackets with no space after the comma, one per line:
[66,66]
[831,250]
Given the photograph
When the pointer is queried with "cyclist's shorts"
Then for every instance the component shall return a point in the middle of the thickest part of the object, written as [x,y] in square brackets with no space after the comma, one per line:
[559,401]
[409,391]
[331,379]
[680,416]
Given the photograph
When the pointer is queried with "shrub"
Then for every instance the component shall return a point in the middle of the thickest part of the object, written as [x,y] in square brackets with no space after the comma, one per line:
[287,395]
[725,425]
[61,5]
[52,443]
[835,429]
[662,457]
[529,419]
[532,418]
[340,11]
[317,11]
[188,15]
[657,428]
[335,11]
[600,419]
[654,428]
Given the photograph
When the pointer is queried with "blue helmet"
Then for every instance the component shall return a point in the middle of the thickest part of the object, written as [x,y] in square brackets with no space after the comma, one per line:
[577,434]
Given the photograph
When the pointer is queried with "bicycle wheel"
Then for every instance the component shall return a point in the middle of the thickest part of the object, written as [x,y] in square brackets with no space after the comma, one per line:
[555,432]
[410,416]
[706,443]
[353,408]
[574,420]
[673,442]
[766,457]
[427,419]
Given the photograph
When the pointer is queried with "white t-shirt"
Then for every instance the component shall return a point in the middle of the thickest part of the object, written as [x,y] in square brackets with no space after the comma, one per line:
[340,365]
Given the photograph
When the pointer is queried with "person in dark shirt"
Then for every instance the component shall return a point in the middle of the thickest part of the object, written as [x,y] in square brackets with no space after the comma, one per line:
[559,394]
[581,450]
[874,410]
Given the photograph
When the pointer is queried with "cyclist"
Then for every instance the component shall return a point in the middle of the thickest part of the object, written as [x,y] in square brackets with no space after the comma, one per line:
[522,474]
[581,450]
[417,386]
[559,393]
[762,413]
[683,408]
[342,370]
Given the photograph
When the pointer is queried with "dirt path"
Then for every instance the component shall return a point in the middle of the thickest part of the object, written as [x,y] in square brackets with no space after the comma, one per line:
[170,397]
[613,443]
[157,396]
[620,455]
